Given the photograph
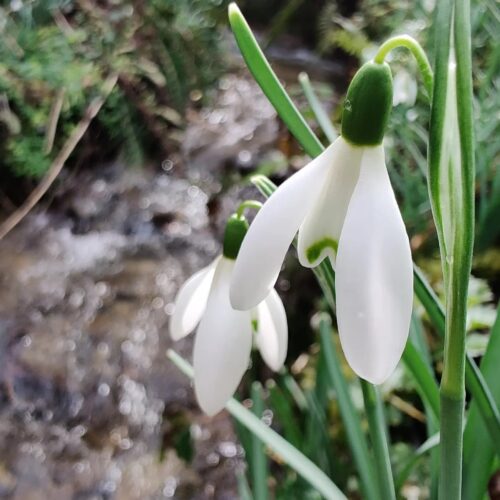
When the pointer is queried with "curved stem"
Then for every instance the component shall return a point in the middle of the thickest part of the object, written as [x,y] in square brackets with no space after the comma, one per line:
[418,53]
[257,205]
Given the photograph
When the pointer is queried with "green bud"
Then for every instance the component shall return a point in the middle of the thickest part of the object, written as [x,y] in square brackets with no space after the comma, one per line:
[236,228]
[367,105]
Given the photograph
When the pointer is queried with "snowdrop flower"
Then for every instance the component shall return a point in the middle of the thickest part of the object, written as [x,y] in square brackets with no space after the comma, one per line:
[224,336]
[343,207]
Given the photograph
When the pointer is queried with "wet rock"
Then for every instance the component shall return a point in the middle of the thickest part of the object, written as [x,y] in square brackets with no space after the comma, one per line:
[240,126]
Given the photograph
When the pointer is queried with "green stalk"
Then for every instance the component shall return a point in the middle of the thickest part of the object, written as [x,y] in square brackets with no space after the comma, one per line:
[451,187]
[378,433]
[418,53]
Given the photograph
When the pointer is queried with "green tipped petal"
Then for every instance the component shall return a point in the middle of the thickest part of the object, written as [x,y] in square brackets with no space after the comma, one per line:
[367,105]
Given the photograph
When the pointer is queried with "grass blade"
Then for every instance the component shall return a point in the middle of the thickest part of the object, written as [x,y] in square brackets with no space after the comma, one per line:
[284,414]
[426,383]
[426,447]
[479,449]
[259,459]
[293,457]
[350,417]
[243,488]
[417,337]
[269,83]
[380,442]
[318,110]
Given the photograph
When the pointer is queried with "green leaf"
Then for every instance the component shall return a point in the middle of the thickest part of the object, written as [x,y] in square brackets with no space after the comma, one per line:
[320,114]
[259,459]
[479,449]
[379,438]
[244,491]
[350,417]
[426,447]
[426,383]
[269,83]
[284,414]
[293,457]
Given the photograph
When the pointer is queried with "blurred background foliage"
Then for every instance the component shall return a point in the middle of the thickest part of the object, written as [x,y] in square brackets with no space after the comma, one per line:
[55,55]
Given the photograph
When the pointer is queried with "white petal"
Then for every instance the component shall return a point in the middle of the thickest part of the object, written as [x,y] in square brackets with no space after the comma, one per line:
[272,231]
[222,345]
[272,331]
[320,232]
[191,301]
[374,278]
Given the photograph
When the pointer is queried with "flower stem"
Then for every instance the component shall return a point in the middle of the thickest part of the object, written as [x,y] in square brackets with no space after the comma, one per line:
[378,433]
[451,184]
[418,53]
[257,205]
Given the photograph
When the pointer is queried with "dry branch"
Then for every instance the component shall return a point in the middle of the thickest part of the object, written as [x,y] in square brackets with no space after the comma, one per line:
[56,167]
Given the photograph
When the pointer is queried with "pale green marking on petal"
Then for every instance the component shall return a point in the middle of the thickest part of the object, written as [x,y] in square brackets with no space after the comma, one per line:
[255,325]
[314,251]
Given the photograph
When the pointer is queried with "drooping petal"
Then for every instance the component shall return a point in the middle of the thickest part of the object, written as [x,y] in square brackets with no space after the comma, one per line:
[320,232]
[222,345]
[272,331]
[374,278]
[272,231]
[191,301]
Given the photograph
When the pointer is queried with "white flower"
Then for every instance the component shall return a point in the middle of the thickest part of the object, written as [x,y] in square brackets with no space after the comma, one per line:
[343,207]
[224,337]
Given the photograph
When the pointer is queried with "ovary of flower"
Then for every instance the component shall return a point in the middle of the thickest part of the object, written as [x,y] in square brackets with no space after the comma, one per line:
[224,336]
[343,207]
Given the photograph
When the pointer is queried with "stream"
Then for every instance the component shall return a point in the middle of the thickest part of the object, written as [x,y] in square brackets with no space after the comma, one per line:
[89,406]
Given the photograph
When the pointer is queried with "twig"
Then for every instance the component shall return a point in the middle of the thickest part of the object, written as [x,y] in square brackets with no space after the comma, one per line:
[73,140]
[55,112]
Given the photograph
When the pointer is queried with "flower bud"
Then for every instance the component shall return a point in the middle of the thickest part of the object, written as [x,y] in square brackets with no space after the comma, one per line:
[367,105]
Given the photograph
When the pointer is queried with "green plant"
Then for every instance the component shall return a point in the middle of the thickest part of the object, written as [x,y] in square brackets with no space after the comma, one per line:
[162,52]
[450,177]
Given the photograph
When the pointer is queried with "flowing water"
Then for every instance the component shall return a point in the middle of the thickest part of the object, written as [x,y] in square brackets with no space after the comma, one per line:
[89,406]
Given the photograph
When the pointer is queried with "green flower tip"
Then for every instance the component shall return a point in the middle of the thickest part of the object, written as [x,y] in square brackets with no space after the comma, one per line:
[236,228]
[367,105]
